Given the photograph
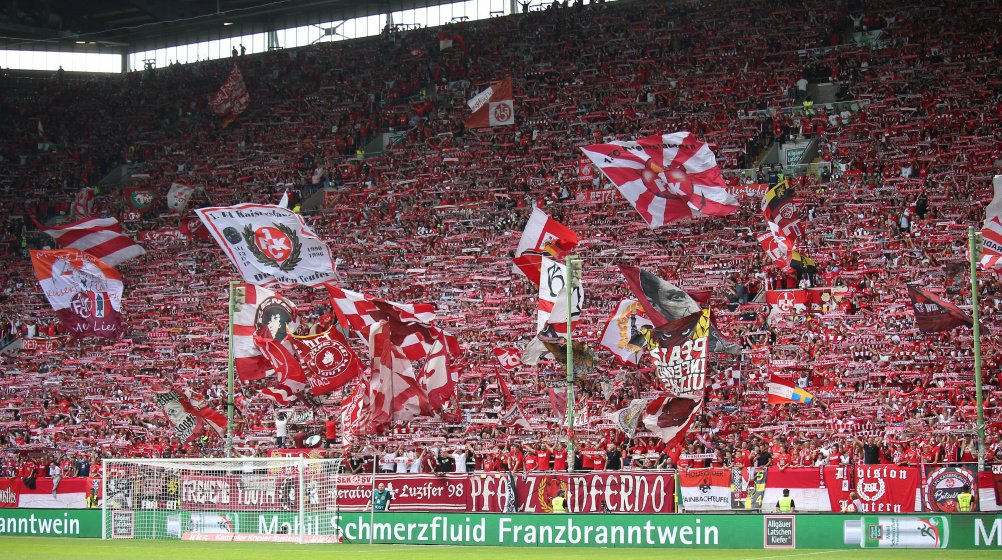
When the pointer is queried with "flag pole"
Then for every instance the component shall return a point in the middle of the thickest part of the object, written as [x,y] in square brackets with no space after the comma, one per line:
[974,252]
[229,378]
[571,275]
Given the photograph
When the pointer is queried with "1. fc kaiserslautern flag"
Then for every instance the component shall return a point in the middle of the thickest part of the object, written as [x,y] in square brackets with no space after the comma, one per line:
[269,244]
[494,106]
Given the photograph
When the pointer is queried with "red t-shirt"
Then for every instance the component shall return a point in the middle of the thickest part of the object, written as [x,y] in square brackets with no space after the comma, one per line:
[560,460]
[530,462]
[543,460]
[598,460]
[514,460]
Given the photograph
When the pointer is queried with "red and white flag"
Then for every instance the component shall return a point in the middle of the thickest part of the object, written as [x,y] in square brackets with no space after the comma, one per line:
[263,314]
[269,245]
[991,251]
[542,236]
[100,237]
[669,417]
[415,334]
[178,196]
[935,314]
[779,207]
[186,423]
[83,204]
[508,357]
[232,98]
[329,362]
[622,330]
[395,395]
[492,107]
[289,373]
[551,286]
[85,292]
[787,301]
[666,178]
[778,249]
[356,413]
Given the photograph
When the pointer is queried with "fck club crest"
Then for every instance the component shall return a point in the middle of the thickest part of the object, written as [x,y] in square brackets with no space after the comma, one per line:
[277,246]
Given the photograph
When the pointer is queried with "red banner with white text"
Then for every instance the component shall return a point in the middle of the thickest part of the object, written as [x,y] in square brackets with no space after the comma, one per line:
[881,488]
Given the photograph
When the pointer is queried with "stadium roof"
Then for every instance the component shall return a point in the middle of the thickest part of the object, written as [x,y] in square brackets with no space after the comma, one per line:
[123,22]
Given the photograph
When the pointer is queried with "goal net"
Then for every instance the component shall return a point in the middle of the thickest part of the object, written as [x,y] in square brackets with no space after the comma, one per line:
[274,499]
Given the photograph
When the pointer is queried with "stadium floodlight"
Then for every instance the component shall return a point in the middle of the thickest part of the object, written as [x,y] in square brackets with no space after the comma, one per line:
[278,499]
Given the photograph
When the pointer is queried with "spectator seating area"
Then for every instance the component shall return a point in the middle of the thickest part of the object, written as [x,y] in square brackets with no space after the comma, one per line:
[436,217]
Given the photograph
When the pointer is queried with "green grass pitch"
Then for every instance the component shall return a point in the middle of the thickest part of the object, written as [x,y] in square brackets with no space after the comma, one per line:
[29,548]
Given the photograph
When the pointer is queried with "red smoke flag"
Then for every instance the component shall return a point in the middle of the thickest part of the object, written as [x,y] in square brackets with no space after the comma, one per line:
[100,237]
[542,236]
[264,314]
[991,250]
[356,412]
[327,359]
[85,292]
[492,107]
[394,391]
[933,313]
[232,98]
[666,178]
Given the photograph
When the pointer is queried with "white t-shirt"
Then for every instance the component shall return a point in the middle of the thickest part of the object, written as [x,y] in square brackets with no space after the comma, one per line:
[55,471]
[282,428]
[460,459]
[386,463]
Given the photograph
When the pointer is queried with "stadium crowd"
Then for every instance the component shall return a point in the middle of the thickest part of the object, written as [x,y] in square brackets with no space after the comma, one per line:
[903,167]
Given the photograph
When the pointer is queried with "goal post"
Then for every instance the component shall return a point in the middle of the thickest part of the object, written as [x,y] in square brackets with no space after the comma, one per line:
[282,499]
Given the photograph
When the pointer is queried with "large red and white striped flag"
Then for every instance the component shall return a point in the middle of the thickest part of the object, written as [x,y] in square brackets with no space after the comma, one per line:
[415,334]
[100,237]
[85,292]
[264,314]
[666,178]
[991,252]
[232,98]
[494,106]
